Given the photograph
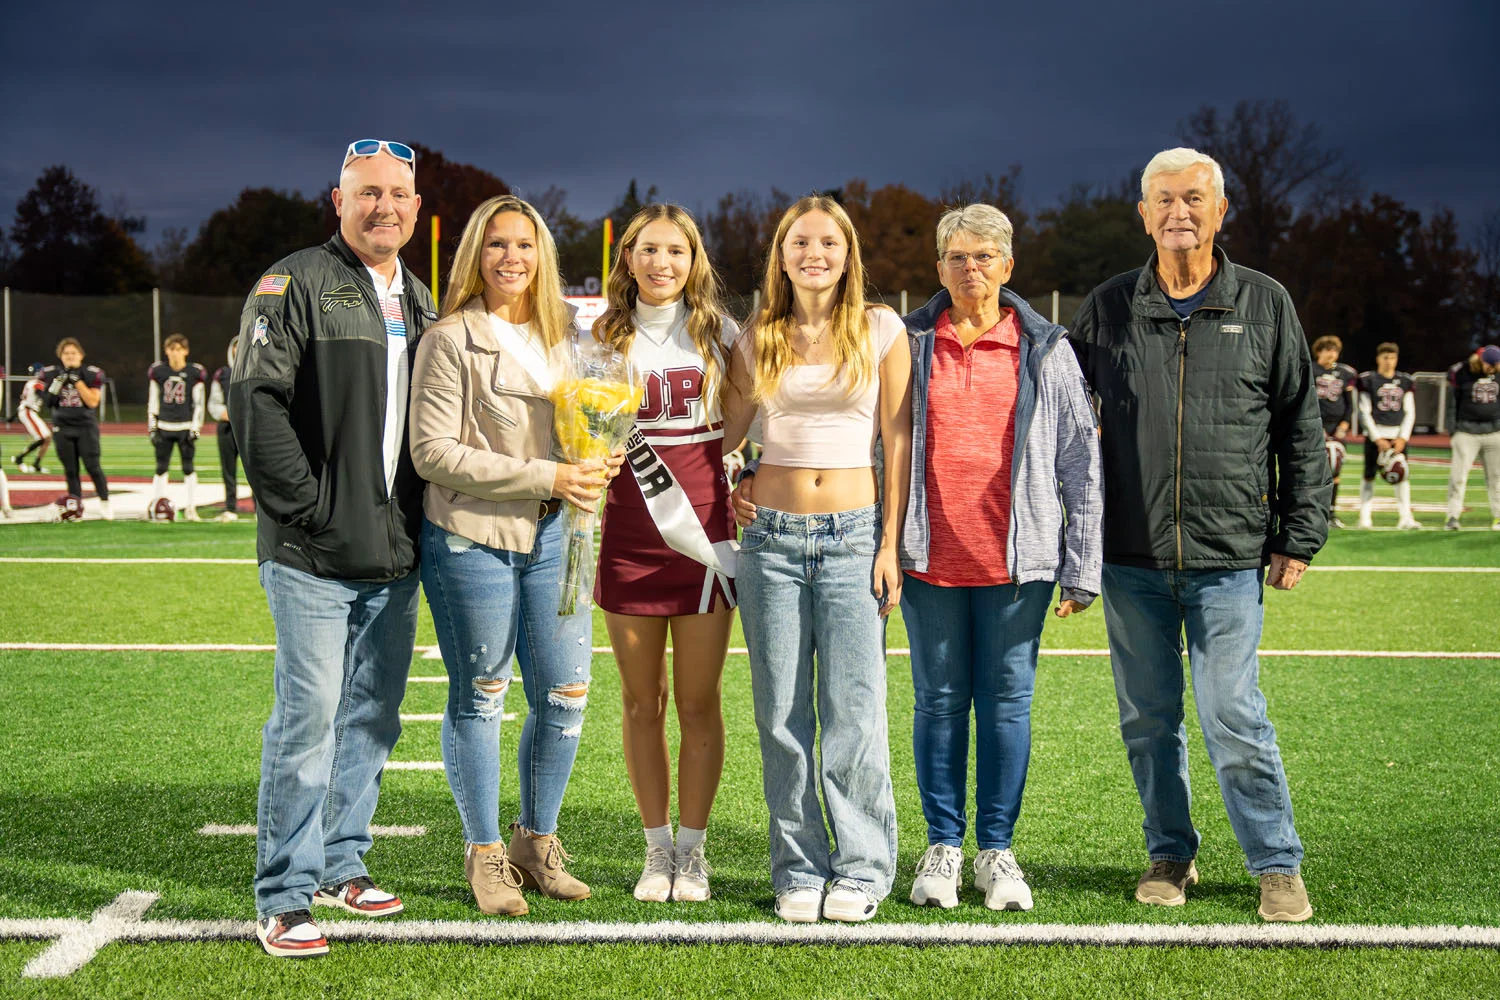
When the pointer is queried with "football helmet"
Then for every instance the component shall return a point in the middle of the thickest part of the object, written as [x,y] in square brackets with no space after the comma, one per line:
[1336,452]
[1392,466]
[163,510]
[67,508]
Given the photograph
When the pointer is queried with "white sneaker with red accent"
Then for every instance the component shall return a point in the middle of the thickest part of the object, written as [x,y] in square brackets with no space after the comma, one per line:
[360,895]
[291,935]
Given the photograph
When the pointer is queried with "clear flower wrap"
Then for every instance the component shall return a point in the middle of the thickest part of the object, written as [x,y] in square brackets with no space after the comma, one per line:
[594,407]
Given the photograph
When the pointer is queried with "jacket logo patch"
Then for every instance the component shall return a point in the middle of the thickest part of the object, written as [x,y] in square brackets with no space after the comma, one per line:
[273,284]
[1231,328]
[259,335]
[346,295]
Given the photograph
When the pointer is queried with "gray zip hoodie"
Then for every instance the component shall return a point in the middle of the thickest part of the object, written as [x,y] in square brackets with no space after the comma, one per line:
[1057,500]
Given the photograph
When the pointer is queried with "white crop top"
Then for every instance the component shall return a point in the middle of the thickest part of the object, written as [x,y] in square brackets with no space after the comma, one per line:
[813,423]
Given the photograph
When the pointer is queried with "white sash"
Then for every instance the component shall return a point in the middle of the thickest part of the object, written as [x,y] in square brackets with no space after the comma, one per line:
[672,511]
[526,352]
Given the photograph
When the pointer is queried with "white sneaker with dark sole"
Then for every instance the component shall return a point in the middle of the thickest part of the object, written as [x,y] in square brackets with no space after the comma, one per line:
[938,875]
[799,906]
[291,935]
[849,903]
[999,877]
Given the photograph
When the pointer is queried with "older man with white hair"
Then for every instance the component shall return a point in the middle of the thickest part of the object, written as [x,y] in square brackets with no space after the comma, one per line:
[1213,468]
[319,394]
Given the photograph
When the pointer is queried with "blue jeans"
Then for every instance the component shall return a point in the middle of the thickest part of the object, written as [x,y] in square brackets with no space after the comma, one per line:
[1146,611]
[973,646]
[804,585]
[343,650]
[490,605]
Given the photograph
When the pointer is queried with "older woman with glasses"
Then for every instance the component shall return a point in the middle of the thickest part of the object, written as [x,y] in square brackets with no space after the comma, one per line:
[1005,504]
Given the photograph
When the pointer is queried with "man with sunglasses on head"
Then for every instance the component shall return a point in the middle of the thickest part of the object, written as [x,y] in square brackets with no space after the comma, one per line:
[319,393]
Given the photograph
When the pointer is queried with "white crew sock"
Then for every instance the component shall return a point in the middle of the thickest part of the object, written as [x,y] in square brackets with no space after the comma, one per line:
[1403,500]
[659,836]
[191,480]
[1366,498]
[4,491]
[688,838]
[158,488]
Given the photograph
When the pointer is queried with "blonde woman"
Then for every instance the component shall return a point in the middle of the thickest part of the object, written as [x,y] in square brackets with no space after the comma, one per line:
[666,562]
[818,568]
[482,437]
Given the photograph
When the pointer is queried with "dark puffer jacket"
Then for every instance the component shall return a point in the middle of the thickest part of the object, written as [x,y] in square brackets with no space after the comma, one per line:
[1213,449]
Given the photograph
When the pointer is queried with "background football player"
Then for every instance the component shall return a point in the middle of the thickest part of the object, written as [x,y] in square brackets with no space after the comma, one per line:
[1387,411]
[32,393]
[1473,407]
[1335,382]
[174,415]
[229,453]
[73,392]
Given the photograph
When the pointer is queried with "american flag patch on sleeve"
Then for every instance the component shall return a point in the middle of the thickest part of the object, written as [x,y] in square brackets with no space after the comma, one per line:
[273,284]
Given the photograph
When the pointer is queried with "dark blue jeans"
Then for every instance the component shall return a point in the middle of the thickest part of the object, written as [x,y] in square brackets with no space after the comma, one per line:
[973,646]
[1147,612]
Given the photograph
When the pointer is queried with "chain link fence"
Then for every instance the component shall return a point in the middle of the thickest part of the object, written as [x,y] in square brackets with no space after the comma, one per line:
[119,333]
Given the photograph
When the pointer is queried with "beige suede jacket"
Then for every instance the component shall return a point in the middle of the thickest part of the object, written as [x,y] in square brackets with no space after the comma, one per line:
[481,433]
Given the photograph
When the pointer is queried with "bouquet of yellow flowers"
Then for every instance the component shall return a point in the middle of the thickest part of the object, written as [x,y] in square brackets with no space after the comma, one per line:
[594,409]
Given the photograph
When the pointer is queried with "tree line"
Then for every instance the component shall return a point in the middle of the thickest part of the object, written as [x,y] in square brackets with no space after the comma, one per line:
[1359,264]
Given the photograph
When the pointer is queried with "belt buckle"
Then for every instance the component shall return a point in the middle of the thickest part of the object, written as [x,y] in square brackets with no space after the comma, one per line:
[541,511]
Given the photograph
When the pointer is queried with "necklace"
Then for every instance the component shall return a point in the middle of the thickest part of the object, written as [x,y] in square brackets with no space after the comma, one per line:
[815,341]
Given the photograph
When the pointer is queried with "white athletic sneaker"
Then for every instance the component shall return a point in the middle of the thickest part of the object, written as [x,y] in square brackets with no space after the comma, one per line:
[6,511]
[1365,522]
[997,875]
[105,512]
[1408,524]
[191,514]
[799,906]
[226,516]
[291,935]
[847,901]
[691,882]
[655,883]
[938,874]
[1495,524]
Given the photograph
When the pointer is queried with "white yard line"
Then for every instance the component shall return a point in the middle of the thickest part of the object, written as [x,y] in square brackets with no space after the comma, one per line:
[413,765]
[206,647]
[438,716]
[76,941]
[248,830]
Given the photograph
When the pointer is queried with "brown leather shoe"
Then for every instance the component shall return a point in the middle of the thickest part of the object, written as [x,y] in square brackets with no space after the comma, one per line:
[495,881]
[1165,883]
[540,859]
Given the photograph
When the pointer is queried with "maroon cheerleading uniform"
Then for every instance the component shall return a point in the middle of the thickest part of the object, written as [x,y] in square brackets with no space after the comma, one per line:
[639,573]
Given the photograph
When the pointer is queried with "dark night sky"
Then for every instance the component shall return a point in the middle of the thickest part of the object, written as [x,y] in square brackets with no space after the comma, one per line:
[176,107]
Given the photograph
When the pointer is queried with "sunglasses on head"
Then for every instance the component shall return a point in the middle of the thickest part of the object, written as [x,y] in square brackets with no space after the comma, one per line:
[369,147]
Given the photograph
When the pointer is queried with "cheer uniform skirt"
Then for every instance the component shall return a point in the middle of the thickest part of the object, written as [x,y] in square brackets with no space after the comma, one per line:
[639,574]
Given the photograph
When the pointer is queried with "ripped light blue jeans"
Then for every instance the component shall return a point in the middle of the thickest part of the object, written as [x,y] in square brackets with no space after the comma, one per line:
[490,605]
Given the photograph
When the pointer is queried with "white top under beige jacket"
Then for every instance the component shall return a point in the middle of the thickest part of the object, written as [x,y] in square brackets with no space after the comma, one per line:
[481,433]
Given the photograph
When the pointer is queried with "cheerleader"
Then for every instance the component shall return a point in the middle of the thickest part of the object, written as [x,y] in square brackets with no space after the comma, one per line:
[666,561]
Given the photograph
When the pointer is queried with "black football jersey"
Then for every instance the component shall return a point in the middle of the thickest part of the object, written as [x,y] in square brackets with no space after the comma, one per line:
[1333,385]
[1387,396]
[175,391]
[68,409]
[1477,395]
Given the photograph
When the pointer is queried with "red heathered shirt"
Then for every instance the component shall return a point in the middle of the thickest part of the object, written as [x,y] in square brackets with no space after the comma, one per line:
[971,407]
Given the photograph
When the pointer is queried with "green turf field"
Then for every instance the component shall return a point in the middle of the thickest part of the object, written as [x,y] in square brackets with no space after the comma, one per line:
[114,759]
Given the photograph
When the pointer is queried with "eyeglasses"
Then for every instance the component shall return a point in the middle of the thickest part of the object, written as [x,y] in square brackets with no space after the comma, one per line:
[957,260]
[370,147]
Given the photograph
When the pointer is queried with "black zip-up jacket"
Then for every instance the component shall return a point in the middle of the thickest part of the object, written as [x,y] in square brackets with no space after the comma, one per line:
[1212,442]
[308,397]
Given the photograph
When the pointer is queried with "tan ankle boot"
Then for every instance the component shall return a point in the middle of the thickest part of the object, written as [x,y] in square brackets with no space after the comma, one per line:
[495,880]
[540,859]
